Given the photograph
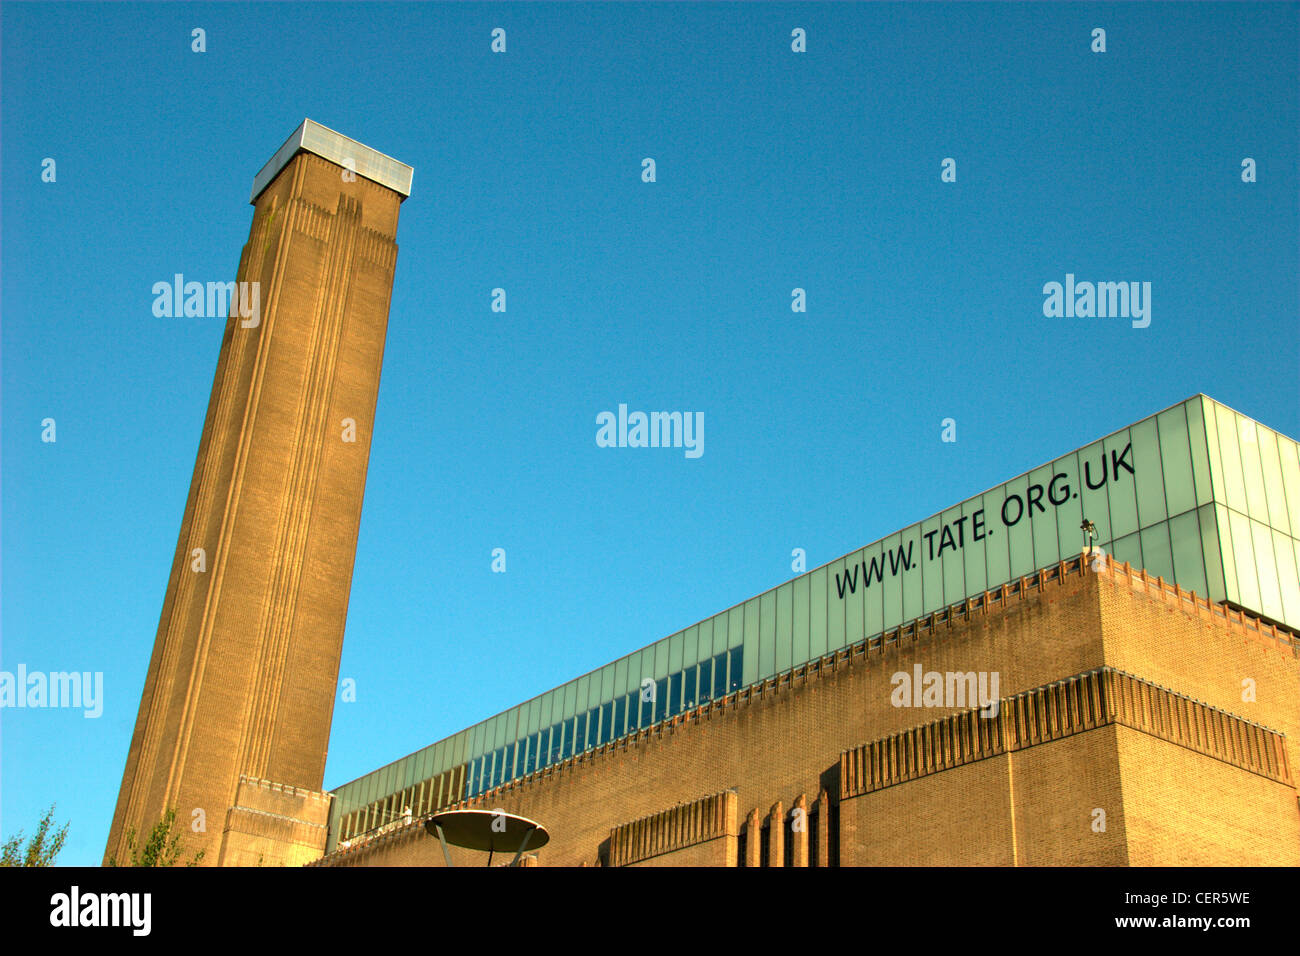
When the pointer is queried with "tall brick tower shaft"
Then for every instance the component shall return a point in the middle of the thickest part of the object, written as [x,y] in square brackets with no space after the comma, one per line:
[235,716]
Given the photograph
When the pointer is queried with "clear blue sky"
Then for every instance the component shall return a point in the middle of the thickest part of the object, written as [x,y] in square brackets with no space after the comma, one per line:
[775,170]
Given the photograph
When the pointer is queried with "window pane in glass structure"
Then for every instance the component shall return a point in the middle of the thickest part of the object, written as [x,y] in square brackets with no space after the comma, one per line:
[1176,460]
[620,721]
[734,671]
[606,722]
[1150,478]
[954,567]
[1243,555]
[1270,594]
[1200,450]
[706,681]
[1015,522]
[931,568]
[1189,568]
[1063,498]
[675,647]
[1289,455]
[1271,464]
[784,621]
[799,643]
[1251,467]
[1215,584]
[972,555]
[767,633]
[1284,555]
[1093,496]
[1156,555]
[817,601]
[1119,484]
[557,742]
[674,695]
[1230,455]
[688,687]
[661,699]
[1225,545]
[1128,548]
[835,605]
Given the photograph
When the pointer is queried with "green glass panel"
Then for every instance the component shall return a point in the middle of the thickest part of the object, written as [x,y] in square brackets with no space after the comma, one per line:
[766,635]
[735,628]
[1198,445]
[890,599]
[691,644]
[1069,512]
[622,679]
[1230,454]
[660,661]
[1095,501]
[1251,468]
[721,626]
[996,541]
[570,700]
[1019,531]
[750,667]
[1150,479]
[1175,461]
[931,568]
[1274,492]
[1243,556]
[802,616]
[1284,553]
[1270,592]
[1190,561]
[817,600]
[853,599]
[1128,548]
[1289,455]
[530,724]
[783,622]
[675,652]
[951,562]
[835,581]
[1296,548]
[1211,410]
[1156,554]
[1120,488]
[974,561]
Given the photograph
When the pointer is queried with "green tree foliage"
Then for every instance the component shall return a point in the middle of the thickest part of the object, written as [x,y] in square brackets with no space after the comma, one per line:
[163,848]
[42,848]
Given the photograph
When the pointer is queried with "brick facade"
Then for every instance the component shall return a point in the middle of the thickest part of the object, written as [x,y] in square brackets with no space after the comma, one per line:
[1126,733]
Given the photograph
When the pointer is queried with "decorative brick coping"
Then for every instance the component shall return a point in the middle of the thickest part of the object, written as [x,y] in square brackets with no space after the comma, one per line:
[1077,704]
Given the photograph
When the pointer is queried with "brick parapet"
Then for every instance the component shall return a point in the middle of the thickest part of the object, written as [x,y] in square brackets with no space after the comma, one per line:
[1080,703]
[688,824]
